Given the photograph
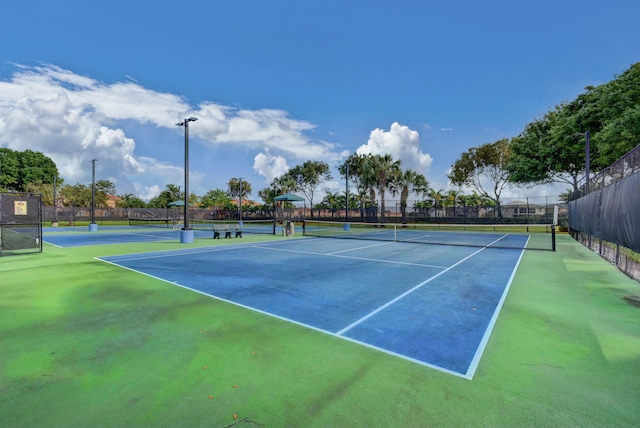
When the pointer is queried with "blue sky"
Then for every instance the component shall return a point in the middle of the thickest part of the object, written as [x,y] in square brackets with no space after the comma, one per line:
[276,83]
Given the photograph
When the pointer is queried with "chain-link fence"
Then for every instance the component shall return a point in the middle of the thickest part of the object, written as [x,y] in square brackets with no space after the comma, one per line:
[624,167]
[70,215]
[20,223]
[531,210]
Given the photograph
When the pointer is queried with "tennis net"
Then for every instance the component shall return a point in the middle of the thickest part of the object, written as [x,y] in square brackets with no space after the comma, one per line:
[511,236]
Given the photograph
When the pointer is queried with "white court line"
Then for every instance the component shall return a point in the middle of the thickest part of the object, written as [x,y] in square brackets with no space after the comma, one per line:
[487,333]
[169,253]
[353,258]
[158,235]
[311,327]
[406,293]
[201,250]
[358,248]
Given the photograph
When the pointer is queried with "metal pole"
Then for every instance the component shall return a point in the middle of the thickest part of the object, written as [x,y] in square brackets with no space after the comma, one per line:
[186,174]
[240,200]
[93,190]
[346,194]
[588,159]
[185,123]
[55,211]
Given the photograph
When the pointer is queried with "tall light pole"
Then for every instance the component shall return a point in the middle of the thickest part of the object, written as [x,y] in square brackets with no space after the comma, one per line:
[240,200]
[187,236]
[55,209]
[346,193]
[93,227]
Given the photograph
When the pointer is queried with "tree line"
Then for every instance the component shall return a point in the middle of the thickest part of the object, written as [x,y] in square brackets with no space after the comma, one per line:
[552,148]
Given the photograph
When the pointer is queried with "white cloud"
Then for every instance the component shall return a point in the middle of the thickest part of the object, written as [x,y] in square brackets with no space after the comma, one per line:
[147,193]
[73,119]
[270,166]
[402,144]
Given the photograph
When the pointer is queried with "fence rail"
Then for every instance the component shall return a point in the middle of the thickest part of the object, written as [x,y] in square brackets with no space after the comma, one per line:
[624,167]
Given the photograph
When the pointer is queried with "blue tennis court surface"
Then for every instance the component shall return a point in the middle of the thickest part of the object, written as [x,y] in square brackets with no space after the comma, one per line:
[431,304]
[114,235]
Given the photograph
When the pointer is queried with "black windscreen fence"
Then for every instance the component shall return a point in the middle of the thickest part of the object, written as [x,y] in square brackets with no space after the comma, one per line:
[611,213]
[604,214]
[20,223]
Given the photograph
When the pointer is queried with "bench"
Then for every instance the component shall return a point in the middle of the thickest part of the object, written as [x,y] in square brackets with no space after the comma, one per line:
[218,228]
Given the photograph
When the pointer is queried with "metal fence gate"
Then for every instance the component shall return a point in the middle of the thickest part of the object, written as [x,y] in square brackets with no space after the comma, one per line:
[20,223]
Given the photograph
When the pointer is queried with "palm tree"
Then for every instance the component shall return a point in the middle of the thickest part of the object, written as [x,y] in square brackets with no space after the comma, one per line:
[423,207]
[451,201]
[363,176]
[284,184]
[281,185]
[173,192]
[367,177]
[363,200]
[409,181]
[385,171]
[436,197]
[129,200]
[331,201]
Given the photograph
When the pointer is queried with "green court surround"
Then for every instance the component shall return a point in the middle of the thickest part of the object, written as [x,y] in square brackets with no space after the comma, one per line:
[88,344]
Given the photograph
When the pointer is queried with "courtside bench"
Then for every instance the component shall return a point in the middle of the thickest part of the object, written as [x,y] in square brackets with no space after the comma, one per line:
[227,229]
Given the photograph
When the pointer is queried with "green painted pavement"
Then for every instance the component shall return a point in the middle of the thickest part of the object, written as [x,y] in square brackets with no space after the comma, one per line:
[84,343]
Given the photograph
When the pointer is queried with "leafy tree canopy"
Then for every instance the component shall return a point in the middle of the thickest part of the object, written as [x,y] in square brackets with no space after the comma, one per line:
[552,148]
[20,169]
[170,194]
[217,198]
[129,200]
[78,195]
[484,169]
[308,177]
[238,187]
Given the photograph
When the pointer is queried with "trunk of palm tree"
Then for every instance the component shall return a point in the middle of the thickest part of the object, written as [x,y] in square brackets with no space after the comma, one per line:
[404,195]
[372,195]
[382,204]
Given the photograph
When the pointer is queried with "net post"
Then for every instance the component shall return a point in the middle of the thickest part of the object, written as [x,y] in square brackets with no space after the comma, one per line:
[553,237]
[304,227]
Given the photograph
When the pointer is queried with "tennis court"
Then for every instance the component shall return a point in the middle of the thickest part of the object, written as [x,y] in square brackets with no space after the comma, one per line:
[144,231]
[431,304]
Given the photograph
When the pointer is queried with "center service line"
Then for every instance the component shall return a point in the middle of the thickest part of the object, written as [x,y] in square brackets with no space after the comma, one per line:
[406,293]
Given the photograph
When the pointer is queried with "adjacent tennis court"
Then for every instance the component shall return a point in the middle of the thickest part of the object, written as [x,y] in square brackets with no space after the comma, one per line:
[146,231]
[81,239]
[431,304]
